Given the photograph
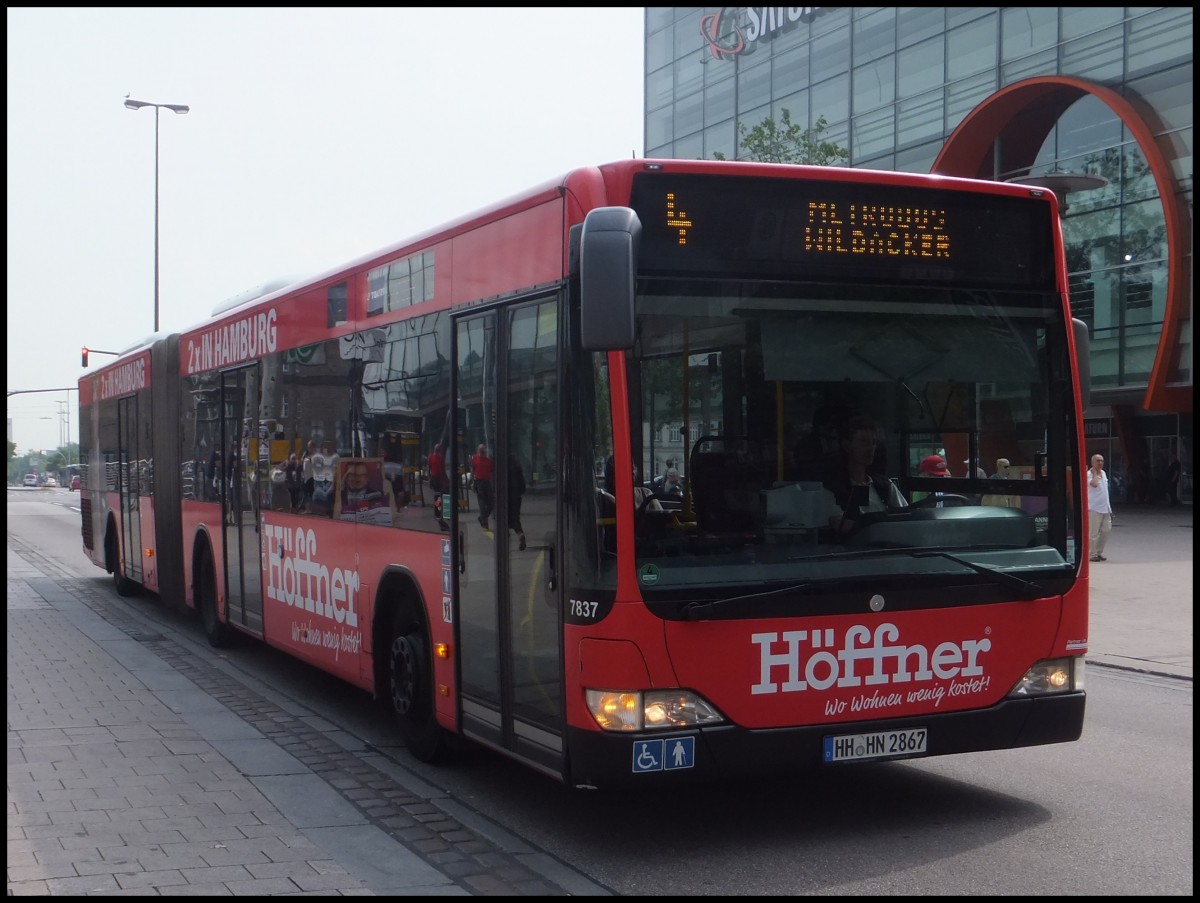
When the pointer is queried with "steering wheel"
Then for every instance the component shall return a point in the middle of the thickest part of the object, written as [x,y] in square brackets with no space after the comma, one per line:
[645,505]
[949,499]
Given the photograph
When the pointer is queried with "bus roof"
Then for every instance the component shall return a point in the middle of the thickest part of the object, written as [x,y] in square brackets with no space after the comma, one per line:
[588,187]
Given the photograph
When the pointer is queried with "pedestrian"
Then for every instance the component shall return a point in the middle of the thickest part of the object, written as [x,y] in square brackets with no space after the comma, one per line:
[481,470]
[293,480]
[1001,500]
[672,483]
[669,472]
[233,482]
[436,463]
[516,489]
[1099,509]
[325,470]
[439,480]
[932,466]
[1141,483]
[216,474]
[980,474]
[306,476]
[1173,472]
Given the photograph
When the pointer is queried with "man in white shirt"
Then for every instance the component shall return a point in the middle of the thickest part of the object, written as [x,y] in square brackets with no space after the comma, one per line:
[1099,508]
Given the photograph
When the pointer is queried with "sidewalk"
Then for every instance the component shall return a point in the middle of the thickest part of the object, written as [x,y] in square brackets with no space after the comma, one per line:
[1141,597]
[137,766]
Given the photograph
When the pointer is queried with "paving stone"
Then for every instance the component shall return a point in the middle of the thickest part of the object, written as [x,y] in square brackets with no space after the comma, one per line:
[117,788]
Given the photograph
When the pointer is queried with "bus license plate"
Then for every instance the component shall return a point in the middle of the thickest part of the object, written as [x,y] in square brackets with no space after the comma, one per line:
[882,745]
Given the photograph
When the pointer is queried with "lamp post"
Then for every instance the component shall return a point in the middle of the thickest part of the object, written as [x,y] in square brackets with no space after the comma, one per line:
[174,108]
[64,413]
[61,443]
[1062,184]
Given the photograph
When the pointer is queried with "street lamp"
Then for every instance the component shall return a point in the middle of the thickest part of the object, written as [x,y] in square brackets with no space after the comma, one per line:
[64,413]
[174,108]
[1062,184]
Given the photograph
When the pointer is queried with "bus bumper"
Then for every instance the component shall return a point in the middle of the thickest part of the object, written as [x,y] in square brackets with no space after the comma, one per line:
[603,760]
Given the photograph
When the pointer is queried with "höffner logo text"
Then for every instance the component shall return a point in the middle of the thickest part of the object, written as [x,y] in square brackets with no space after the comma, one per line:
[299,580]
[799,660]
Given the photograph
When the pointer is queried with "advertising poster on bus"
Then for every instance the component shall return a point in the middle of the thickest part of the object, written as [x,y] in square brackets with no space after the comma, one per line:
[361,493]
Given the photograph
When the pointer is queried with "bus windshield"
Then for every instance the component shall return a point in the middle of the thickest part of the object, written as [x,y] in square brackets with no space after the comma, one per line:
[798,432]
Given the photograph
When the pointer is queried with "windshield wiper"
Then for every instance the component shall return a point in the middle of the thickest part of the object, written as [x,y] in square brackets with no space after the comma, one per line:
[1028,588]
[694,611]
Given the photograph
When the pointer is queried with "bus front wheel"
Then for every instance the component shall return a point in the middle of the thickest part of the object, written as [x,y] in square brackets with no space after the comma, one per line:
[125,587]
[410,675]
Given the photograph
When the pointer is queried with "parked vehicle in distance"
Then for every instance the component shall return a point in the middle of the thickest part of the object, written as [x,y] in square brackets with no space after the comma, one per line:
[75,482]
[31,479]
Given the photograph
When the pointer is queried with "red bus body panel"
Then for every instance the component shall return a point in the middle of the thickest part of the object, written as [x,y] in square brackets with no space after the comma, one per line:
[321,577]
[781,672]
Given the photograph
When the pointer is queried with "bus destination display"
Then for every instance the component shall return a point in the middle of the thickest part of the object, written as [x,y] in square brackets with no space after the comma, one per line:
[807,229]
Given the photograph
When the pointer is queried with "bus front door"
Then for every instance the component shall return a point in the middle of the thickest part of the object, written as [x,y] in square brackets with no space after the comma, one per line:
[505,598]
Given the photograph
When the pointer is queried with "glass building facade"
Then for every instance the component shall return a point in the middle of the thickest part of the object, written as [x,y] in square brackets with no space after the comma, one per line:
[1098,91]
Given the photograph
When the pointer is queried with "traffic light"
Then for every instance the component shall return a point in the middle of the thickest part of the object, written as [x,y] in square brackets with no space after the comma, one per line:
[85,355]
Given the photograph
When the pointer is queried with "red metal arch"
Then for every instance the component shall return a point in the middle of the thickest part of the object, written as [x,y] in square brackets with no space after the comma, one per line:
[1017,119]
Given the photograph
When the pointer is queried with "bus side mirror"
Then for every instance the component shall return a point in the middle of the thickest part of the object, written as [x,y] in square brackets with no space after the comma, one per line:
[608,249]
[1083,361]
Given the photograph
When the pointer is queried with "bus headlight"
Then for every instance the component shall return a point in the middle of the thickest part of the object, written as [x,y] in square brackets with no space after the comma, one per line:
[615,710]
[1054,675]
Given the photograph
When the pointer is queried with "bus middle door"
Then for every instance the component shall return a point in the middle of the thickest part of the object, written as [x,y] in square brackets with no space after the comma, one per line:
[239,492]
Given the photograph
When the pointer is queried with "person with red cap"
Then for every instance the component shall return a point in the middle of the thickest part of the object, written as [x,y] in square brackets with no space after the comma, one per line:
[934,466]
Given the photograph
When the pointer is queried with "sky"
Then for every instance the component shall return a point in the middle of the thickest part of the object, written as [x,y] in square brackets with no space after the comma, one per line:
[314,137]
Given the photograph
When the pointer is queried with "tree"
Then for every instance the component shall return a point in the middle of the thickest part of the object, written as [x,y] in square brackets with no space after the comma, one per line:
[787,142]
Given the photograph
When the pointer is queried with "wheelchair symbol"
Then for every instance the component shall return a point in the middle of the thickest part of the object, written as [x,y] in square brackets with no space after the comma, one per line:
[647,756]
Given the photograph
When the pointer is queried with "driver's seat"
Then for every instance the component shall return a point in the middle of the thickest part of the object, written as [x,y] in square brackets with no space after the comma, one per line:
[727,478]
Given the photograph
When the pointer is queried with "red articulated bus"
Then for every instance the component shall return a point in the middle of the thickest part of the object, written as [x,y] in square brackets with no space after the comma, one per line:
[635,477]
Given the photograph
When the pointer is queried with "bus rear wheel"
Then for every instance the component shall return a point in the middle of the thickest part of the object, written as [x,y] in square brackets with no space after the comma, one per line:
[218,633]
[410,677]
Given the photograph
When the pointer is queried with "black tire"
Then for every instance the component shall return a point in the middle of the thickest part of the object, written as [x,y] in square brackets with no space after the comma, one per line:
[124,586]
[219,634]
[410,681]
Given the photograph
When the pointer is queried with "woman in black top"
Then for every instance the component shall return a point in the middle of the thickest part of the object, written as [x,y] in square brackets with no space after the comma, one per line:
[856,488]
